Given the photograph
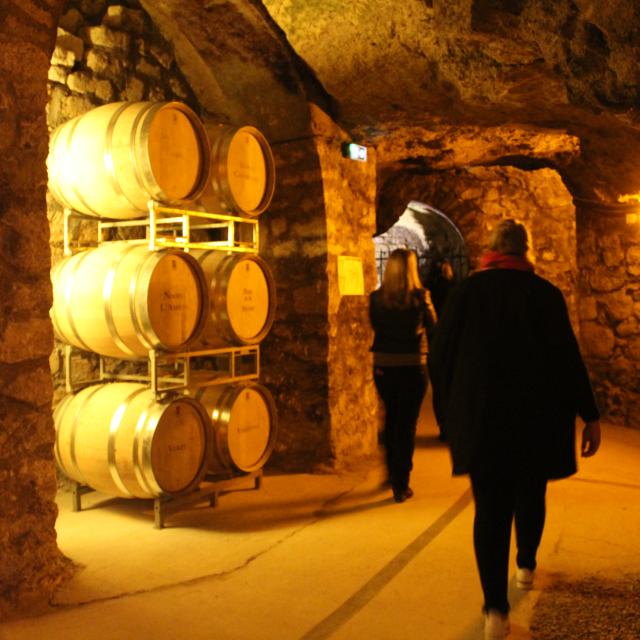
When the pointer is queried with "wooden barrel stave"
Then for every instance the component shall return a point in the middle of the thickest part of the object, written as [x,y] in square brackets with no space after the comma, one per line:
[242,298]
[242,175]
[121,300]
[244,424]
[110,161]
[118,439]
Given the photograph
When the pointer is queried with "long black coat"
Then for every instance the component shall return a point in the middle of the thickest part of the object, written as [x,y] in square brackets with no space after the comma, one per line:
[508,378]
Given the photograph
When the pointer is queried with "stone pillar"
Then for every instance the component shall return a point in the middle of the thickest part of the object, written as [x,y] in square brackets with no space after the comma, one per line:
[609,267]
[32,566]
[316,359]
[349,196]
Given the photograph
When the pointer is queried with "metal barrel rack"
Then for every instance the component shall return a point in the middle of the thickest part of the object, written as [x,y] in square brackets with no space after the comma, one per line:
[171,372]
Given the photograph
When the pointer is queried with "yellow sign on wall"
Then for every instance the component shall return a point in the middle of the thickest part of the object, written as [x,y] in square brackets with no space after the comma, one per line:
[350,276]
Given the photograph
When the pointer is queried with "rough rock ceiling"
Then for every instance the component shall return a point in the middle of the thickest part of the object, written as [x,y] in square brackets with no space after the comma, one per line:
[433,83]
[407,71]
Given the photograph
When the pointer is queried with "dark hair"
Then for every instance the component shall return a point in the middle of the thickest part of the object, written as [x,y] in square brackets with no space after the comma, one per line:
[509,236]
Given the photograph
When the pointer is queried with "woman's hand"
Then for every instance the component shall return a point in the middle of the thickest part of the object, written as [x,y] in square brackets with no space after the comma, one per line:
[590,438]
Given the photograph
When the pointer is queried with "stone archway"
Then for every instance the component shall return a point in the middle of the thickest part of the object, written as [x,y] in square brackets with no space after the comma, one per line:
[33,566]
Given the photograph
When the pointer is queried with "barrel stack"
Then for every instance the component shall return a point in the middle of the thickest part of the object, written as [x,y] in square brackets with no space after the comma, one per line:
[184,300]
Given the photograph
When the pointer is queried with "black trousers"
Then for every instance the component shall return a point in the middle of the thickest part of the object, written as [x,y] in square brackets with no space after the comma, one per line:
[499,498]
[402,390]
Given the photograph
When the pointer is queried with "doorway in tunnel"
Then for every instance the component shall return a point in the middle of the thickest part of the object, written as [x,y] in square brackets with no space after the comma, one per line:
[442,263]
[441,250]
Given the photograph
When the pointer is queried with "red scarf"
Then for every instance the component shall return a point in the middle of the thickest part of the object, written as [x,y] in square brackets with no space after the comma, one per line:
[497,260]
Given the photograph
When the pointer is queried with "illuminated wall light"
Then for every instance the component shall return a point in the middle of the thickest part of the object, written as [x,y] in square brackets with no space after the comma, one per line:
[354,151]
[633,218]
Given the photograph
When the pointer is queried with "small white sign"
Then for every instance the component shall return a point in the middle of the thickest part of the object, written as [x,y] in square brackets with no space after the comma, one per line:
[350,276]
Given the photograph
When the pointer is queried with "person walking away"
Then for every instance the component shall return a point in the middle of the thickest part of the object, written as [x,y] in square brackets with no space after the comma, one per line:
[509,381]
[401,316]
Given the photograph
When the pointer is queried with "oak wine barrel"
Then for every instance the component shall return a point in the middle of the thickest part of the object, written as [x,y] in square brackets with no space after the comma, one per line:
[244,426]
[242,298]
[122,300]
[110,161]
[242,175]
[119,439]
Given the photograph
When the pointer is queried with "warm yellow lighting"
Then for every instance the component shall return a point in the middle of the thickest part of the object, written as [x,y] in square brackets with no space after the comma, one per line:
[633,218]
[629,197]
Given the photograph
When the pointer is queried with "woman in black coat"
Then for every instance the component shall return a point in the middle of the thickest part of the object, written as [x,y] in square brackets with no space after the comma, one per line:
[508,381]
[401,315]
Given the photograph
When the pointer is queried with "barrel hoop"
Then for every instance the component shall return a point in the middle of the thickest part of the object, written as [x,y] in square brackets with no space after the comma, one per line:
[137,453]
[137,159]
[225,401]
[106,298]
[53,151]
[74,189]
[108,157]
[74,429]
[146,468]
[54,309]
[140,319]
[111,449]
[60,410]
[67,298]
[219,302]
[221,182]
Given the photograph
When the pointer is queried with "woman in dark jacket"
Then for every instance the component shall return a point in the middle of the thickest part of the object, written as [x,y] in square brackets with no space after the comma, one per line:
[508,381]
[401,315]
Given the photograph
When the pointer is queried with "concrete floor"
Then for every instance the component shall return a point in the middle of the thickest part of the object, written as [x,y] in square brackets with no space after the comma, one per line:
[313,557]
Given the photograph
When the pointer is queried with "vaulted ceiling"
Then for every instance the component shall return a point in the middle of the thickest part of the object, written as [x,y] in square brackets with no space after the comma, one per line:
[433,83]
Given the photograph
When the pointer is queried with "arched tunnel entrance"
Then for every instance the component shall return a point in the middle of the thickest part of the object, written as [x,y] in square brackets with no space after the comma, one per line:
[442,255]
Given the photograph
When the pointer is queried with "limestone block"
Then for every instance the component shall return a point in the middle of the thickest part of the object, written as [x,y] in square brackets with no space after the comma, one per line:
[284,249]
[278,226]
[81,82]
[98,61]
[633,260]
[92,8]
[628,327]
[75,105]
[57,74]
[619,306]
[104,90]
[612,251]
[71,21]
[108,39]
[587,308]
[164,58]
[178,88]
[119,17]
[315,249]
[603,279]
[135,89]
[633,349]
[30,385]
[157,93]
[68,49]
[598,340]
[148,69]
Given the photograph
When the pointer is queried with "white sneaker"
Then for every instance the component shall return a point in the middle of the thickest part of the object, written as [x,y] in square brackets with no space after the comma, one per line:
[496,625]
[524,579]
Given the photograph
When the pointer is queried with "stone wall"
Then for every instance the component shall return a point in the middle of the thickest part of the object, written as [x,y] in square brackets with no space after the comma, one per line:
[106,51]
[31,565]
[294,354]
[476,198]
[609,286]
[349,195]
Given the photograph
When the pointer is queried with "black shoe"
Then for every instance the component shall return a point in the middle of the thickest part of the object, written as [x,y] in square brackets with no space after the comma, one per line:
[400,495]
